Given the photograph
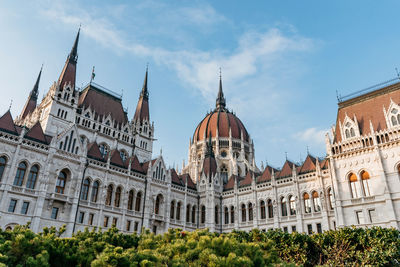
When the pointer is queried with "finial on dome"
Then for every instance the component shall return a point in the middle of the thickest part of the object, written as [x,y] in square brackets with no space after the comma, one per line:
[220,103]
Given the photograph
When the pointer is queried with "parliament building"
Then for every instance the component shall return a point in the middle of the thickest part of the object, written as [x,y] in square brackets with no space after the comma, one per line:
[75,158]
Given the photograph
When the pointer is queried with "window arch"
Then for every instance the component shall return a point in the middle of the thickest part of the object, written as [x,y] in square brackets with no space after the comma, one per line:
[130,200]
[316,201]
[354,186]
[194,214]
[395,117]
[188,212]
[216,213]
[178,210]
[283,206]
[32,177]
[365,178]
[110,190]
[292,205]
[232,214]
[270,209]
[117,200]
[123,155]
[243,212]
[224,172]
[3,163]
[226,215]
[95,191]
[203,214]
[172,210]
[262,209]
[85,189]
[331,199]
[138,201]
[104,150]
[307,203]
[61,181]
[19,176]
[157,207]
[250,207]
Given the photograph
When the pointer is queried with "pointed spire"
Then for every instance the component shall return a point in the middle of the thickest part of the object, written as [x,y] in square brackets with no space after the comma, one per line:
[31,102]
[142,108]
[220,103]
[144,93]
[35,91]
[73,56]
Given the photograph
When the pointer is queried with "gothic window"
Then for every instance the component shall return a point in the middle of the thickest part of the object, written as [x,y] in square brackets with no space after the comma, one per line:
[354,186]
[316,201]
[307,203]
[95,191]
[32,177]
[349,130]
[188,213]
[226,215]
[3,162]
[395,117]
[243,212]
[87,115]
[130,200]
[203,214]
[232,214]
[158,204]
[250,211]
[85,189]
[117,200]
[123,155]
[178,211]
[104,150]
[283,206]
[61,180]
[262,209]
[224,173]
[331,199]
[216,213]
[365,182]
[172,210]
[270,209]
[292,205]
[194,214]
[138,201]
[19,176]
[110,190]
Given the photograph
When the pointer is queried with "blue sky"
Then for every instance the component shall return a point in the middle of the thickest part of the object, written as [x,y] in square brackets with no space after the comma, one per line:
[282,61]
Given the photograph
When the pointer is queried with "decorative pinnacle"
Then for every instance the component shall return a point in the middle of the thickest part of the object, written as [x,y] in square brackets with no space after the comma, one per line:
[144,93]
[220,102]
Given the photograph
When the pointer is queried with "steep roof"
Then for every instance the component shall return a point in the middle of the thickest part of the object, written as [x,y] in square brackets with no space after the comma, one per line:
[175,178]
[68,74]
[324,164]
[142,109]
[93,151]
[36,134]
[368,107]
[308,165]
[231,183]
[145,165]
[102,103]
[31,102]
[186,177]
[117,160]
[247,180]
[287,169]
[136,166]
[7,123]
[266,175]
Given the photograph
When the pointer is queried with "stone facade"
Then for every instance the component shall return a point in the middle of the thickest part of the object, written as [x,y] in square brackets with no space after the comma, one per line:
[76,159]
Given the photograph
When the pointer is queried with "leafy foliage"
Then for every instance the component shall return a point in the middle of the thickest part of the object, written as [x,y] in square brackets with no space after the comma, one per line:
[348,246]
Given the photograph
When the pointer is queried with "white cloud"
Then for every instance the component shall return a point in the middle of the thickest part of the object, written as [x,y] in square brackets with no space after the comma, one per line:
[312,135]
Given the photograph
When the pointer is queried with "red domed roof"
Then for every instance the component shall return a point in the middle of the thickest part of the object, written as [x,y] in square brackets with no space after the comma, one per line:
[222,120]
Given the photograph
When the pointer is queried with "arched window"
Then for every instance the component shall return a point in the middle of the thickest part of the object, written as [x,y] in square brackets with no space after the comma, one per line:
[243,212]
[292,205]
[216,214]
[270,209]
[262,209]
[347,133]
[110,190]
[123,155]
[158,204]
[232,214]
[188,213]
[331,199]
[316,201]
[130,200]
[394,120]
[104,150]
[117,200]
[172,210]
[307,203]
[250,205]
[224,172]
[178,211]
[203,214]
[95,191]
[32,177]
[226,215]
[85,189]
[352,133]
[3,162]
[283,206]
[365,182]
[138,201]
[194,214]
[61,180]
[354,185]
[19,176]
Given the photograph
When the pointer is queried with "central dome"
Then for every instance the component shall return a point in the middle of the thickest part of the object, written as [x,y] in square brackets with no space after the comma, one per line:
[222,120]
